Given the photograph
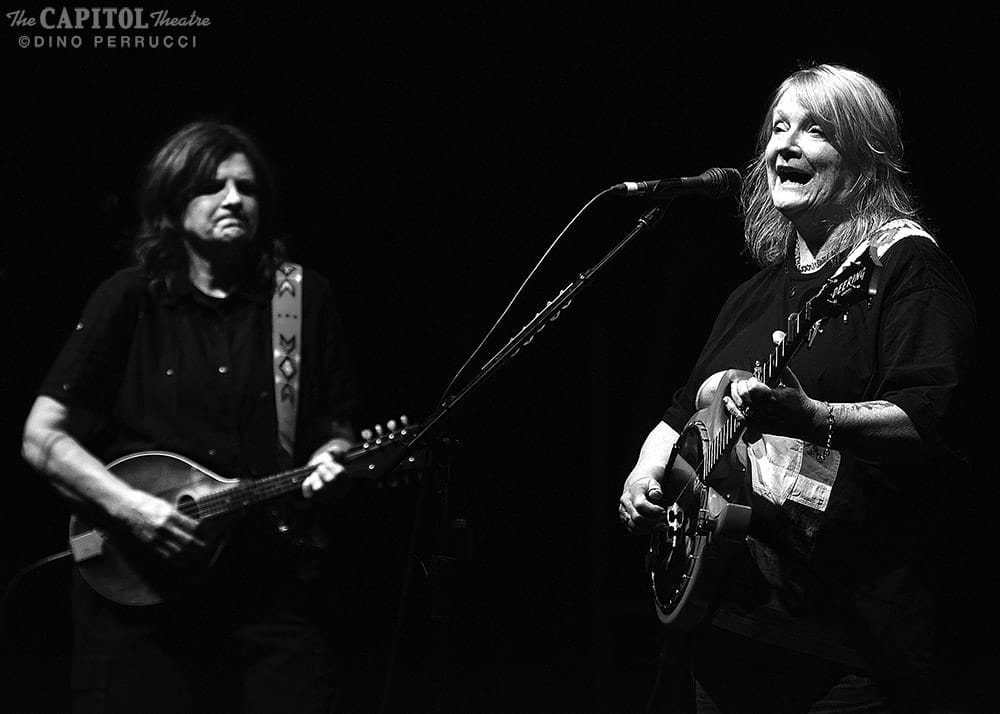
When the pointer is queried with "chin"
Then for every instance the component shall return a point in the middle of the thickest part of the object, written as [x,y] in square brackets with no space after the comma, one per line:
[789,201]
[785,207]
[791,211]
[233,236]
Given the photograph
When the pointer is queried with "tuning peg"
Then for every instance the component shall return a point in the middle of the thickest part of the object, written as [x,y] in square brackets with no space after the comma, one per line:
[404,420]
[379,430]
[391,424]
[813,331]
[367,434]
[777,337]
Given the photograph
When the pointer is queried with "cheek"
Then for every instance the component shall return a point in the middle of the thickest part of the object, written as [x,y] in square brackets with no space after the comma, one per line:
[835,182]
[252,208]
[834,169]
[197,212]
[845,179]
[770,174]
[770,154]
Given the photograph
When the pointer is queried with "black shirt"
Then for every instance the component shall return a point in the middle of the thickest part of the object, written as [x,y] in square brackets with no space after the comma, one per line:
[192,374]
[853,580]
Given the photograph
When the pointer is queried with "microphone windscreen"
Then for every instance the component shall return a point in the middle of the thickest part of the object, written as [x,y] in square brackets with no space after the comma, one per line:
[722,182]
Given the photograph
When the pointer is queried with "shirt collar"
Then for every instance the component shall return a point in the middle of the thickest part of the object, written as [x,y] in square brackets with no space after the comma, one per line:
[184,289]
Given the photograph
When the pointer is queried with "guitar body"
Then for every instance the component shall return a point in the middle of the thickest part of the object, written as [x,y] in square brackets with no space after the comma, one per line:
[709,518]
[127,572]
[707,468]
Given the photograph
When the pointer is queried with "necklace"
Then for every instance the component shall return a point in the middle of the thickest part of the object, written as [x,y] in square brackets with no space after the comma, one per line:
[811,266]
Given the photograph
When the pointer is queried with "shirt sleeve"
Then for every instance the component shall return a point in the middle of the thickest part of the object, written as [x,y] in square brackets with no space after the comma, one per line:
[927,342]
[88,371]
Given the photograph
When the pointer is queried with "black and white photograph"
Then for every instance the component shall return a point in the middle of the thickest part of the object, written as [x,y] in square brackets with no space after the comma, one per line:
[498,358]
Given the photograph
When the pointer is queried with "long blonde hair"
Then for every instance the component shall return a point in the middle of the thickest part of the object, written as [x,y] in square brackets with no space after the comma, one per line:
[862,124]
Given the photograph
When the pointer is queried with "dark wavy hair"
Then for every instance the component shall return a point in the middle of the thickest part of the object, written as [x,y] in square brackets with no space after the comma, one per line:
[187,161]
[863,125]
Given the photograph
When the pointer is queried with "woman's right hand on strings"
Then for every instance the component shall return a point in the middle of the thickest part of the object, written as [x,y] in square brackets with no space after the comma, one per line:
[638,506]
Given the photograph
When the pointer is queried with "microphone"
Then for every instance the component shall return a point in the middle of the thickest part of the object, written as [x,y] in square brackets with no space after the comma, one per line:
[714,183]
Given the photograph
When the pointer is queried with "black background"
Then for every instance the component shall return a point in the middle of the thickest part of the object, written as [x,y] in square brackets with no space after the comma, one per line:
[425,158]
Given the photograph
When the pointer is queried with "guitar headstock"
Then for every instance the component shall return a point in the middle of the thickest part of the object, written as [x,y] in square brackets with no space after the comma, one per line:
[854,282]
[384,455]
[392,428]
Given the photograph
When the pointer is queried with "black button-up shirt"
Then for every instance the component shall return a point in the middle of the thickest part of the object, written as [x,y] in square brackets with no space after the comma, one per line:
[192,374]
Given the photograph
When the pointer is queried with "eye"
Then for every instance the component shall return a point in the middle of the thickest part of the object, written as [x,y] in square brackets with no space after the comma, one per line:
[209,187]
[817,130]
[779,126]
[246,187]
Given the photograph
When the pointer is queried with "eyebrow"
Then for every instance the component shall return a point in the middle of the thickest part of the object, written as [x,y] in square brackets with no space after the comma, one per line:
[809,116]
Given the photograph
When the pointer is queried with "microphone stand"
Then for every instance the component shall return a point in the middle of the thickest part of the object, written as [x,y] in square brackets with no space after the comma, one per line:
[548,314]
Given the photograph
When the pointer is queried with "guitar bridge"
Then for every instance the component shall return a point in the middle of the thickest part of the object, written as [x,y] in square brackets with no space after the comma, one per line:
[705,524]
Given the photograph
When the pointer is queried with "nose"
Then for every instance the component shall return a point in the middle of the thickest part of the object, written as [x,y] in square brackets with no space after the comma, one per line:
[788,143]
[231,195]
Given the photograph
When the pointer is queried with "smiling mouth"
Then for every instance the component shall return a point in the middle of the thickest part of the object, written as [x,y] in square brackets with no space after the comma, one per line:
[787,174]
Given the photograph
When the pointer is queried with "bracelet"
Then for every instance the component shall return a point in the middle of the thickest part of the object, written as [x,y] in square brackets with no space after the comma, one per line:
[821,456]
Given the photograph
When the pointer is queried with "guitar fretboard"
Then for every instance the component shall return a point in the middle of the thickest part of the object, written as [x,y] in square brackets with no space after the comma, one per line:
[766,372]
[246,493]
[250,492]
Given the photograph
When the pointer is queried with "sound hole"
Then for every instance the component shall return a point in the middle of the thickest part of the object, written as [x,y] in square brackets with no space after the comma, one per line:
[187,505]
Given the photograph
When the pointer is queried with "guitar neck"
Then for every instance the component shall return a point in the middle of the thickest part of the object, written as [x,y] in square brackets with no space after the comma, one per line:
[768,372]
[250,492]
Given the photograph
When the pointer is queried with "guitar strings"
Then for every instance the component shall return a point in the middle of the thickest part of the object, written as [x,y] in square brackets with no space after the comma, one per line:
[244,493]
[719,443]
[249,492]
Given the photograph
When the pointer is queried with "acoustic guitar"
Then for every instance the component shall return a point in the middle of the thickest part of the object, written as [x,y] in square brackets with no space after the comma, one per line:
[122,569]
[709,468]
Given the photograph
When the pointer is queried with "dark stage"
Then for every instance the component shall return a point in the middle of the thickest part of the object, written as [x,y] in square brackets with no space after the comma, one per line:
[425,159]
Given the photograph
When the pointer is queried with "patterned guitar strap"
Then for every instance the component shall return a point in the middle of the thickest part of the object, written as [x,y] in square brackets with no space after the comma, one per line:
[895,231]
[886,237]
[286,330]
